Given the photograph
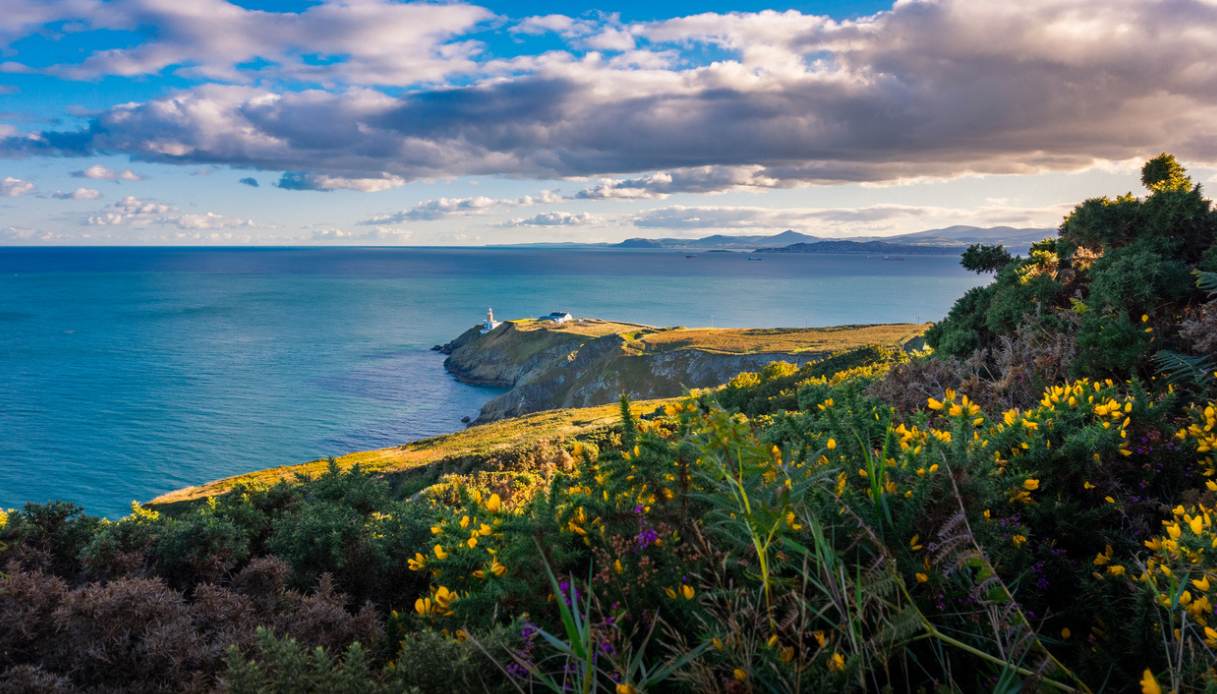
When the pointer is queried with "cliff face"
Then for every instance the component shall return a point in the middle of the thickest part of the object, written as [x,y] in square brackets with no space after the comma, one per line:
[594,362]
[505,355]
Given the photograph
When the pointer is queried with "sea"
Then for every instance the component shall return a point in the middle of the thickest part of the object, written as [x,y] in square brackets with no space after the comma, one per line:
[129,372]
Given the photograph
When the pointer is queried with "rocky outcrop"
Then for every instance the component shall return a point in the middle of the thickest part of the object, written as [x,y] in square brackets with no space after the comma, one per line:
[507,355]
[549,368]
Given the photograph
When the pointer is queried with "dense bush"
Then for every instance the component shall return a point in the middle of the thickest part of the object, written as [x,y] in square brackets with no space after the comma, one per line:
[1123,266]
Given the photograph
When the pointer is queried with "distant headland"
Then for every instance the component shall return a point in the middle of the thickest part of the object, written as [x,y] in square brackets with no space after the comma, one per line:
[559,361]
[946,240]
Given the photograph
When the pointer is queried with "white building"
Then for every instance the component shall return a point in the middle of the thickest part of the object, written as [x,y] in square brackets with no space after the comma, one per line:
[490,323]
[558,317]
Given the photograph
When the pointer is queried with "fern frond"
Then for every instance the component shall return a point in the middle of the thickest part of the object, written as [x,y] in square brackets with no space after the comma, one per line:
[1207,281]
[1184,368]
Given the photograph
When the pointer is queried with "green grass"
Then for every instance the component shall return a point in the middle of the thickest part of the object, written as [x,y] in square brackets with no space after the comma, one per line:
[478,442]
[647,339]
[789,340]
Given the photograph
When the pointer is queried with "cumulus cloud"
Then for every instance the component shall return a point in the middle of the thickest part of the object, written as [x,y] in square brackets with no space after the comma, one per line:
[376,235]
[926,89]
[24,235]
[99,172]
[439,208]
[14,187]
[435,209]
[78,194]
[352,41]
[554,23]
[554,219]
[249,181]
[21,17]
[296,180]
[132,211]
[702,179]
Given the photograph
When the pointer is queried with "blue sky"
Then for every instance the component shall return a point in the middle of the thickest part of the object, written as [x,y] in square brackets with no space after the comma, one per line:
[382,122]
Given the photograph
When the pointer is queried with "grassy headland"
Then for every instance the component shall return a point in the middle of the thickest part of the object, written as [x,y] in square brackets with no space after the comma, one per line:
[590,362]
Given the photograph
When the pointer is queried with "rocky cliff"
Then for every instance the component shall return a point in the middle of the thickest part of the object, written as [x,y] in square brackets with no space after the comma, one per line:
[592,362]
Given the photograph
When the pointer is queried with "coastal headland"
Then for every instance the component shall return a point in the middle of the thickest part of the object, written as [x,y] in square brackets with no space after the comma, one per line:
[564,382]
[586,362]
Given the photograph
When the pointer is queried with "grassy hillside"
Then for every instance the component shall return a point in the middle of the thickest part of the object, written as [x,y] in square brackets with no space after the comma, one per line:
[437,453]
[590,362]
[785,340]
[735,340]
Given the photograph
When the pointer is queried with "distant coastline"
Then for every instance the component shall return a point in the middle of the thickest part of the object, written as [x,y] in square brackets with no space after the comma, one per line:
[944,241]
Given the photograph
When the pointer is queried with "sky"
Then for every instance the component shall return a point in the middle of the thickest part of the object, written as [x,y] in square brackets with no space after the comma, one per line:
[133,122]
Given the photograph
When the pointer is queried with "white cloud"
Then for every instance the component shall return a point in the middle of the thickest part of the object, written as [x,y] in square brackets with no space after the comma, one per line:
[132,211]
[702,179]
[99,172]
[554,219]
[294,180]
[440,208]
[378,234]
[553,23]
[78,194]
[925,90]
[23,16]
[14,187]
[611,39]
[436,209]
[351,41]
[19,234]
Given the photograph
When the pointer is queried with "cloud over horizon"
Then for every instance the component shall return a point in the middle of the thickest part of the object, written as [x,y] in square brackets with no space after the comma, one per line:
[99,172]
[926,89]
[133,211]
[854,122]
[12,187]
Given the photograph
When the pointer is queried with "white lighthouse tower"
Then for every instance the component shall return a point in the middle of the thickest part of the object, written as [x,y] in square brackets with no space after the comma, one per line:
[490,323]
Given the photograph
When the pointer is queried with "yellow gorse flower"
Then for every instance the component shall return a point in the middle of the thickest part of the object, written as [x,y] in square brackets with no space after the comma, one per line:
[1149,685]
[837,662]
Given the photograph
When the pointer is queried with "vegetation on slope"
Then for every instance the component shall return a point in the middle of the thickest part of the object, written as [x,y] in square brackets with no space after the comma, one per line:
[592,362]
[1019,514]
[420,462]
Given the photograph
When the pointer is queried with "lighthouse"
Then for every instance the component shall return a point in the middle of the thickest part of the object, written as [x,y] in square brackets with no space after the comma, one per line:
[490,323]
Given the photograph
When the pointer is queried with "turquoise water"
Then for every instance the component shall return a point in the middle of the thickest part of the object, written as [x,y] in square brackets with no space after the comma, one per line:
[125,373]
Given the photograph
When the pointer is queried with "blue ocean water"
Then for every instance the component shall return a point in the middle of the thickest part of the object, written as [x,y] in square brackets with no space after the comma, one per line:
[128,372]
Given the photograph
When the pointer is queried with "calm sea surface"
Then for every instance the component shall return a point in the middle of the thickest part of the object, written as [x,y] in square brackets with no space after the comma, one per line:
[125,373]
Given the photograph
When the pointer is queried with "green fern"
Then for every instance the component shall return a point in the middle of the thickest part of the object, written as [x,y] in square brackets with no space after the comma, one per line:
[1207,281]
[1184,368]
[1187,368]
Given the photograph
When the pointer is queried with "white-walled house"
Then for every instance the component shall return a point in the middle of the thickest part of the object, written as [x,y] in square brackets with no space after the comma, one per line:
[558,317]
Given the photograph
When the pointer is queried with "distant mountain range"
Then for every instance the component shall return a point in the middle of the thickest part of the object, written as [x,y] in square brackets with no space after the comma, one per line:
[721,241]
[946,240]
[867,247]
